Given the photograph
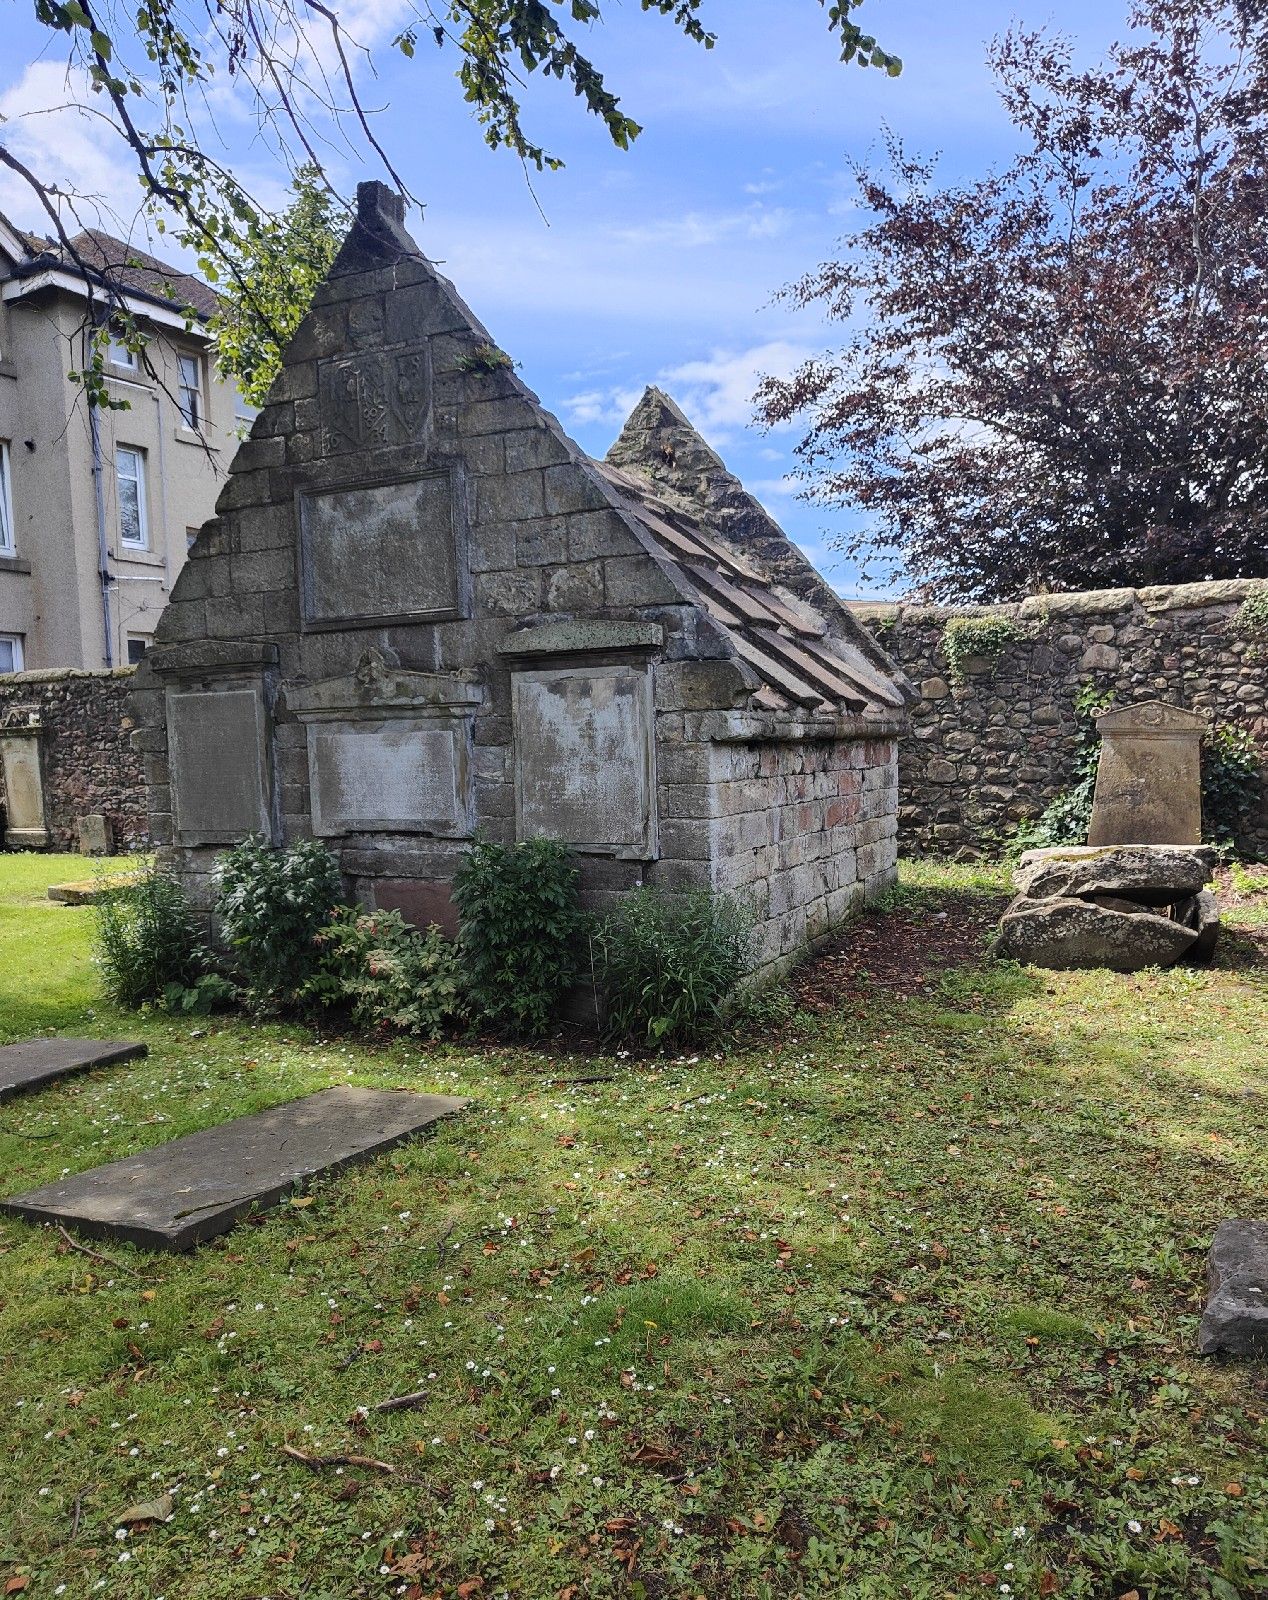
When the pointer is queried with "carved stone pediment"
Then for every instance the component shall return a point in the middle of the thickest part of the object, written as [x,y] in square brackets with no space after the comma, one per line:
[375,689]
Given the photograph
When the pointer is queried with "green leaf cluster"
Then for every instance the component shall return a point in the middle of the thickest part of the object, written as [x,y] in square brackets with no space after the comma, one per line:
[668,963]
[279,263]
[977,638]
[145,940]
[387,975]
[272,905]
[519,928]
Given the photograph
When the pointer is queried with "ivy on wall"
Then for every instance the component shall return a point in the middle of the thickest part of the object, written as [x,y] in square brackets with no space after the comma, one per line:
[967,639]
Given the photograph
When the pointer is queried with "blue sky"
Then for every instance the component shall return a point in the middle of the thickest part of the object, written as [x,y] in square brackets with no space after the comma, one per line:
[654,265]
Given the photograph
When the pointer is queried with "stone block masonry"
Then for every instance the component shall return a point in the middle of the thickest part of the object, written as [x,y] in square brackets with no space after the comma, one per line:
[88,764]
[982,757]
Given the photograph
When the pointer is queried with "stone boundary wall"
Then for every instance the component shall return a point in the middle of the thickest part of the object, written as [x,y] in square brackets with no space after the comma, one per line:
[983,756]
[88,763]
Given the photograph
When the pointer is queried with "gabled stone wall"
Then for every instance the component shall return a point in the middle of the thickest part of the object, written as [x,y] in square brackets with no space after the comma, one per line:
[421,612]
[983,756]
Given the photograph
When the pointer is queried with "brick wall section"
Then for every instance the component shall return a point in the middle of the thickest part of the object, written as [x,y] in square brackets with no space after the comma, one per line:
[89,765]
[804,833]
[983,756]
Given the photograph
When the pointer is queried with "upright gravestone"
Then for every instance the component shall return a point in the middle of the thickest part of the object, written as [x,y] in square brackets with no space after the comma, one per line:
[1149,779]
[21,767]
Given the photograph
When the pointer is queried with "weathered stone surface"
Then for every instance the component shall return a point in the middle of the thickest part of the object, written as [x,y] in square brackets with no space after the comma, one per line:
[37,1062]
[382,551]
[1149,777]
[1064,934]
[1202,914]
[218,742]
[1156,875]
[21,771]
[1181,643]
[176,1195]
[96,835]
[87,891]
[584,757]
[1236,1317]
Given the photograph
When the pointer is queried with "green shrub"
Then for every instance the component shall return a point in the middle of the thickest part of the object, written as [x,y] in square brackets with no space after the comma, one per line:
[519,923]
[985,638]
[1251,621]
[387,974]
[1068,817]
[1232,782]
[272,904]
[668,963]
[146,941]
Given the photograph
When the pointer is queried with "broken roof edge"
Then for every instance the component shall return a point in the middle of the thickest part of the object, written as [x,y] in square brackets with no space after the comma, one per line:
[660,445]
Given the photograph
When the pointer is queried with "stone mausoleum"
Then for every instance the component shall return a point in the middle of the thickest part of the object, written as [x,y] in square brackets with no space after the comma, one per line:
[422,611]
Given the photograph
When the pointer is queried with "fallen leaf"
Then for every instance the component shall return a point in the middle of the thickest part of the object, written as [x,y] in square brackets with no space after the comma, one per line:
[16,1584]
[470,1586]
[299,1201]
[147,1511]
[1234,1489]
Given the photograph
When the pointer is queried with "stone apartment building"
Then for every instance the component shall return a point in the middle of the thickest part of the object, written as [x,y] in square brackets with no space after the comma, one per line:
[98,507]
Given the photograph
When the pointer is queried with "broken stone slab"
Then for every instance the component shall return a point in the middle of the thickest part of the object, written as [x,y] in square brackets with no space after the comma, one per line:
[37,1062]
[1156,875]
[1065,933]
[175,1195]
[1236,1315]
[1202,914]
[87,891]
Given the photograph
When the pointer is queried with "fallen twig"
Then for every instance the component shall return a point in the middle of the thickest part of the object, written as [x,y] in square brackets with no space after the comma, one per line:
[402,1402]
[440,1242]
[96,1255]
[76,1514]
[317,1462]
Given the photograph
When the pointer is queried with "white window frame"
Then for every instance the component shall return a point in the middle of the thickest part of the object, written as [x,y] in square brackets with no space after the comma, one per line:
[19,656]
[118,354]
[8,540]
[198,408]
[142,542]
[145,640]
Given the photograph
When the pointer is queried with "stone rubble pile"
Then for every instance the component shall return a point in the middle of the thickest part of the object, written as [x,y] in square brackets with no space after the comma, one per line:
[1119,906]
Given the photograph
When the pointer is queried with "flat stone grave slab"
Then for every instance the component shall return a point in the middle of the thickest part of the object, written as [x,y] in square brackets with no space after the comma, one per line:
[178,1194]
[35,1062]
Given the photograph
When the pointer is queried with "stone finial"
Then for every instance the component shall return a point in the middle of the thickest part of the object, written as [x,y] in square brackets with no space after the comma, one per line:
[376,203]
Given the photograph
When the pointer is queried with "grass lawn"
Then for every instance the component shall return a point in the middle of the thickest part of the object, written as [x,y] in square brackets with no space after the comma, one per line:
[900,1300]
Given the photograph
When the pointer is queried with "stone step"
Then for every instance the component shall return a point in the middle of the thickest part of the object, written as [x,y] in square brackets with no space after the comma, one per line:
[178,1194]
[36,1062]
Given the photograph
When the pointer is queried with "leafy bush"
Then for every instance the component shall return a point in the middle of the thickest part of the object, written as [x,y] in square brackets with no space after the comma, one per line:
[1067,818]
[388,974]
[519,922]
[669,962]
[966,638]
[272,904]
[1251,621]
[1232,782]
[200,997]
[146,940]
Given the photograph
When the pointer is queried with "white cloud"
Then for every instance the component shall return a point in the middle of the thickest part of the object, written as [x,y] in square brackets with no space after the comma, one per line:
[608,406]
[696,229]
[717,392]
[48,127]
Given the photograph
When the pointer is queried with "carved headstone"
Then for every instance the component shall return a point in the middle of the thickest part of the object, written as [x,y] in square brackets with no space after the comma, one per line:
[583,757]
[26,827]
[96,835]
[1149,779]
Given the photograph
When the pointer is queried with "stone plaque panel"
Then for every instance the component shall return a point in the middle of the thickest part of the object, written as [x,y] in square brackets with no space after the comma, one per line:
[25,825]
[584,758]
[218,753]
[400,775]
[379,553]
[374,400]
[1149,776]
